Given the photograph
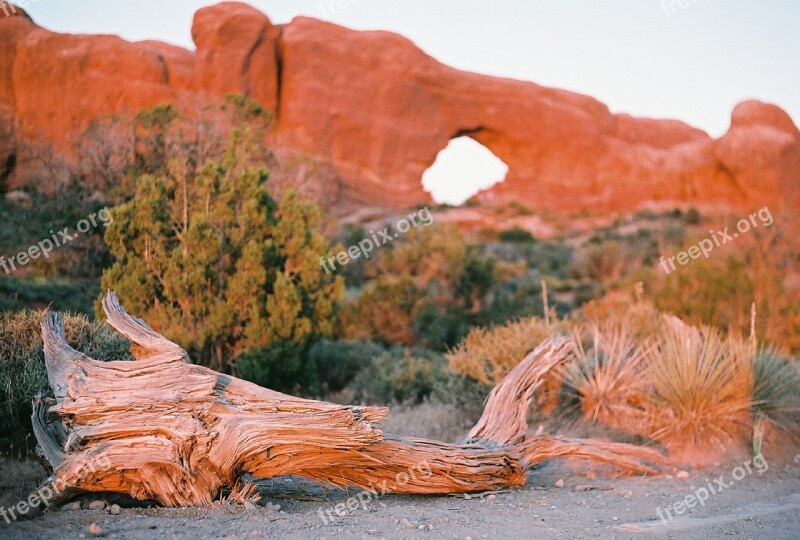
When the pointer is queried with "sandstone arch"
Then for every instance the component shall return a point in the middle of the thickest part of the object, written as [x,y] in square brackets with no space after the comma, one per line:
[376,110]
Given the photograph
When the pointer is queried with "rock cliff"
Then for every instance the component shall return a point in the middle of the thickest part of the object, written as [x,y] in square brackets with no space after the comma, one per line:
[376,110]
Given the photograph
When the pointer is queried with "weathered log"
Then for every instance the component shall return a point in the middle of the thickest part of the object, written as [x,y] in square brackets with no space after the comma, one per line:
[160,428]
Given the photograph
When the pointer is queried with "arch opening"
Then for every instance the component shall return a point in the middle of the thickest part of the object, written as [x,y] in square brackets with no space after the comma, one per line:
[462,169]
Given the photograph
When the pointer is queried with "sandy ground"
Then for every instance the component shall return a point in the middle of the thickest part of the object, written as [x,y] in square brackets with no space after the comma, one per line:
[757,506]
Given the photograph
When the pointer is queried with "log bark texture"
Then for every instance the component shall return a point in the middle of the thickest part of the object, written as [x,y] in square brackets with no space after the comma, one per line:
[160,428]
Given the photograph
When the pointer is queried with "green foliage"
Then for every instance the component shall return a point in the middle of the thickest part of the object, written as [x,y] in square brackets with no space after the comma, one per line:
[551,258]
[25,225]
[431,287]
[22,370]
[516,235]
[209,259]
[776,390]
[421,275]
[75,296]
[693,216]
[281,367]
[401,375]
[337,363]
[354,272]
[708,292]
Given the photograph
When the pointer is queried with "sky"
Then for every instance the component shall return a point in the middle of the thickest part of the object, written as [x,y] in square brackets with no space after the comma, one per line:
[649,58]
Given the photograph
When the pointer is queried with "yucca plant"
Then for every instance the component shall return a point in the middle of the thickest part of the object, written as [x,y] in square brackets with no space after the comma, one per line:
[699,387]
[606,383]
[776,395]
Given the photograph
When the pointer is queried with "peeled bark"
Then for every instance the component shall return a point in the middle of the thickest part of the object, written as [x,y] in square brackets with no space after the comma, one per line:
[160,428]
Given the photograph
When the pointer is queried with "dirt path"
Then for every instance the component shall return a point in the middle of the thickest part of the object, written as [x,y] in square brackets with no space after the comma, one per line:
[757,506]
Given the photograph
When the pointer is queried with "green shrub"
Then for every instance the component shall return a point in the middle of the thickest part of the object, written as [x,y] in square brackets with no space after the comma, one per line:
[26,225]
[401,375]
[338,362]
[282,367]
[516,235]
[693,217]
[776,390]
[22,370]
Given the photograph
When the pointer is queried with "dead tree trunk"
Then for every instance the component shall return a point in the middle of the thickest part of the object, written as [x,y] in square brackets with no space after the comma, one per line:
[160,428]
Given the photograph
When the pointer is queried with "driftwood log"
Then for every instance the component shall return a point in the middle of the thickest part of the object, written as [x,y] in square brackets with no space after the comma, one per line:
[162,429]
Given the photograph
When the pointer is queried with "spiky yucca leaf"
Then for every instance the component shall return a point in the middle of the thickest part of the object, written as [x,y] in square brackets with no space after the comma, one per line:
[776,390]
[606,382]
[700,386]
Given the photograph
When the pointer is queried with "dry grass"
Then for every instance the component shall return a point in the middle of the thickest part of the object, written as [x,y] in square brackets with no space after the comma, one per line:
[488,354]
[639,373]
[700,388]
[429,420]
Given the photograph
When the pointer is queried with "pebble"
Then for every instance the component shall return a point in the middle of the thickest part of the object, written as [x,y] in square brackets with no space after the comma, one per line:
[560,483]
[72,506]
[682,474]
[491,498]
[97,505]
[114,509]
[95,529]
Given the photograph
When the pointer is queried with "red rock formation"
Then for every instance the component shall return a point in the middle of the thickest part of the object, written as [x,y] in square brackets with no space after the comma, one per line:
[376,110]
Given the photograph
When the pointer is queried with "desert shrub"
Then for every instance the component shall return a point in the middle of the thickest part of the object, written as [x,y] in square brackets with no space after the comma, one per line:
[606,383]
[424,289]
[699,387]
[26,225]
[776,390]
[204,253]
[693,216]
[760,267]
[488,354]
[383,311]
[630,311]
[516,235]
[717,293]
[401,375]
[338,362]
[354,271]
[551,258]
[22,370]
[281,366]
